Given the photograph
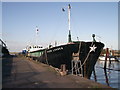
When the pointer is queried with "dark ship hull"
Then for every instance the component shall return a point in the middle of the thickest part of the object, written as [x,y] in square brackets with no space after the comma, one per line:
[59,55]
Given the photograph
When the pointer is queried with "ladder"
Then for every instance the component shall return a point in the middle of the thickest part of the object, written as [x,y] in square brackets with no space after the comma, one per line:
[76,65]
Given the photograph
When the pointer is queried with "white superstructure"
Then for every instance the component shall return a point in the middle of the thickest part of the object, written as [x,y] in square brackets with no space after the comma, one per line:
[32,48]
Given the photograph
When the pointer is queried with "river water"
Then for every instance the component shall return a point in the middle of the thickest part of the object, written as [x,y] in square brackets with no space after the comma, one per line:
[109,76]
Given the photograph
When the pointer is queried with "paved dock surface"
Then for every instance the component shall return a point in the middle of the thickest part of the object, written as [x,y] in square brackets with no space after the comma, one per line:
[19,72]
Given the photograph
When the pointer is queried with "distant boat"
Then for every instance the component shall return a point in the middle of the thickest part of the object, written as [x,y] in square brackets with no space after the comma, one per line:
[111,58]
[88,53]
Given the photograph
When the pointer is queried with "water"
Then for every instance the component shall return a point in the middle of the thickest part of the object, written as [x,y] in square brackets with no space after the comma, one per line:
[109,77]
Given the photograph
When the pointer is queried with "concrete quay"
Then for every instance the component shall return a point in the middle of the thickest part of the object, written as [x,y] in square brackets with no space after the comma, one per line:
[20,72]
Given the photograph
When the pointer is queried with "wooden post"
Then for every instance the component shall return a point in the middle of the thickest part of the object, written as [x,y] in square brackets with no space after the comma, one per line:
[107,53]
[113,53]
[106,77]
[46,57]
[63,70]
[95,77]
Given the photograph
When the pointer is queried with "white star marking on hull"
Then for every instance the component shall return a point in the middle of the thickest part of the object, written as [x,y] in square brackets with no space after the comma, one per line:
[92,48]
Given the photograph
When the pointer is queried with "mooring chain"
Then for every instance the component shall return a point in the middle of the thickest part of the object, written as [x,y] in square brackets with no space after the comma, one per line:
[84,60]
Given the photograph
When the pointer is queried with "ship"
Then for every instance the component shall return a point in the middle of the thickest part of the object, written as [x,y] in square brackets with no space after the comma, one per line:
[85,52]
[3,49]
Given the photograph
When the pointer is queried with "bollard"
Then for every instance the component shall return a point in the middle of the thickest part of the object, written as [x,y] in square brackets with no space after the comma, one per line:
[107,53]
[63,70]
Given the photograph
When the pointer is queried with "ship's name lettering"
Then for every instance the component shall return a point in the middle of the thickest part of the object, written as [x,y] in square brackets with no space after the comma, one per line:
[56,49]
[49,51]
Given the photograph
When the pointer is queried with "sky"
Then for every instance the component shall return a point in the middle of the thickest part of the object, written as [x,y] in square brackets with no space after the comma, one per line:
[19,21]
[0,20]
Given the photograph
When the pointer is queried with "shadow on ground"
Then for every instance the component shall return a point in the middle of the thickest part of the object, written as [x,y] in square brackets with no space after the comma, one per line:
[6,66]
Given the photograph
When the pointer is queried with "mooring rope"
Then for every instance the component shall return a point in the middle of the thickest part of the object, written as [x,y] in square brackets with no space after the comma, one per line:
[78,53]
[46,57]
[79,47]
[87,56]
[84,60]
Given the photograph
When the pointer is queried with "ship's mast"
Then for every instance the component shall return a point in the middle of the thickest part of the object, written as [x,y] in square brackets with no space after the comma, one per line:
[37,35]
[69,36]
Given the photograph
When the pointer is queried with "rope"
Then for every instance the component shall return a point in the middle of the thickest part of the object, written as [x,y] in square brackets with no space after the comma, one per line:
[87,56]
[46,57]
[79,47]
[84,60]
[76,66]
